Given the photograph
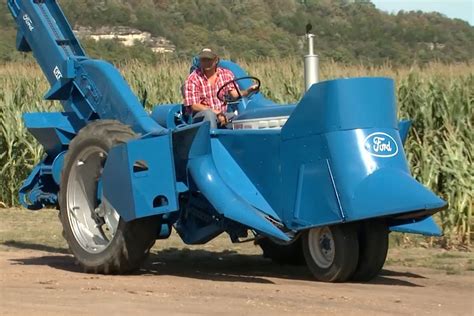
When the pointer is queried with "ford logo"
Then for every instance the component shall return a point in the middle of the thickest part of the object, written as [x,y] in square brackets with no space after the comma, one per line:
[381,145]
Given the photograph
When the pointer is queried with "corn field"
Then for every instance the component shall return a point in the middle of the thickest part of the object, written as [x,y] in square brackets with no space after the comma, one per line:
[438,99]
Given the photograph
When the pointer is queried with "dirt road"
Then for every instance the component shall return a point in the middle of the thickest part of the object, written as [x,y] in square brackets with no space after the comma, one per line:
[200,282]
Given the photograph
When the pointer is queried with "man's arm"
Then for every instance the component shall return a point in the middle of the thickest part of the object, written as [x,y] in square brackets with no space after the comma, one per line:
[234,94]
[198,107]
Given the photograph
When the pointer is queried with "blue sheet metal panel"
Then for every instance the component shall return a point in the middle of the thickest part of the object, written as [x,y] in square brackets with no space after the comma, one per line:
[117,187]
[257,152]
[57,167]
[426,227]
[139,172]
[343,104]
[53,130]
[404,129]
[57,120]
[360,152]
[115,99]
[316,199]
[165,115]
[372,176]
[307,195]
[223,198]
[226,201]
[391,191]
[62,88]
[237,180]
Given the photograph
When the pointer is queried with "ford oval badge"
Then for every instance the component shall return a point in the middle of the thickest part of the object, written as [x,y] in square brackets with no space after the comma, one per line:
[381,145]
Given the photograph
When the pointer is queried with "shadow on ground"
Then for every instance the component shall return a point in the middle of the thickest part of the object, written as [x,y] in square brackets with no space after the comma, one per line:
[227,265]
[32,246]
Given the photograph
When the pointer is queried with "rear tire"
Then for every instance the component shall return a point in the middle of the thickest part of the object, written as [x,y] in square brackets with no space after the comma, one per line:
[100,240]
[373,248]
[331,252]
[291,254]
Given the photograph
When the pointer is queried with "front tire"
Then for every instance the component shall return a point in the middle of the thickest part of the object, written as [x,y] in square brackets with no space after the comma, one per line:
[331,252]
[100,240]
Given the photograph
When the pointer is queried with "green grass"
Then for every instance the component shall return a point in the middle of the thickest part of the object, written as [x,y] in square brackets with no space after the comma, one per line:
[450,262]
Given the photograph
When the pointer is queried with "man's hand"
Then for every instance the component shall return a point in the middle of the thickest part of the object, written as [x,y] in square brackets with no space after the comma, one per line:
[252,88]
[222,119]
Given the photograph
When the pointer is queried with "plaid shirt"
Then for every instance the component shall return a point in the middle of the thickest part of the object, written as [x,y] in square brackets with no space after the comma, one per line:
[197,89]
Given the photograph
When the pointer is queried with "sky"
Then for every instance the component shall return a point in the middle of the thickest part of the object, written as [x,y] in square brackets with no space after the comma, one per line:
[461,9]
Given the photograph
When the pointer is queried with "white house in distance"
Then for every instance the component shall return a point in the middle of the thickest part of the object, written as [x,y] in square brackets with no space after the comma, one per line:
[126,36]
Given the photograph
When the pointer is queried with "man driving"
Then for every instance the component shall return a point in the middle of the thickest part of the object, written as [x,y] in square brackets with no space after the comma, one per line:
[201,88]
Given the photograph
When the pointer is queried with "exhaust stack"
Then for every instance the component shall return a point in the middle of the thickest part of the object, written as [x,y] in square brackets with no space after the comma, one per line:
[311,61]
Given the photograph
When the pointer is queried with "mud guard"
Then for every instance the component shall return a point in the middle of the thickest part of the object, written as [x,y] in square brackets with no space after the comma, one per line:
[139,178]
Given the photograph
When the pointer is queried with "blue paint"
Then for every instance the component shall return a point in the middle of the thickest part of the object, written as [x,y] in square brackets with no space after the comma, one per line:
[426,227]
[52,130]
[343,104]
[168,115]
[139,182]
[404,129]
[237,180]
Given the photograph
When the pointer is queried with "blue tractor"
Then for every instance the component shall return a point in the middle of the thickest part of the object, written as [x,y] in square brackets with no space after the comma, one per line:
[320,182]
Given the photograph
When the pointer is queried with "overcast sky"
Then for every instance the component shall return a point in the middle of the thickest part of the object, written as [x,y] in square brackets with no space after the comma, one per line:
[461,9]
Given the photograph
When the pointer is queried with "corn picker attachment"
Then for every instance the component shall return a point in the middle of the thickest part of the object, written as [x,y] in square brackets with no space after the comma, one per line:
[322,181]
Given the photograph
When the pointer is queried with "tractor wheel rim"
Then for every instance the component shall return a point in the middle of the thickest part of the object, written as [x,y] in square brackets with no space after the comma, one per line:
[93,222]
[321,246]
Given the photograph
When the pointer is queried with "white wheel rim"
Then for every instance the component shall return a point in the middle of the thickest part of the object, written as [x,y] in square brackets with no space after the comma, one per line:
[321,246]
[93,223]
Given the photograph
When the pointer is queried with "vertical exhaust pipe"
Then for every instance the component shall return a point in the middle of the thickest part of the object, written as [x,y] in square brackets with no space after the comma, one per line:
[311,61]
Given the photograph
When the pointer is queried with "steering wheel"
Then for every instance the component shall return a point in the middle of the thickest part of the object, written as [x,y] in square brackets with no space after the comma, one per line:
[234,83]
